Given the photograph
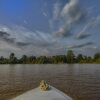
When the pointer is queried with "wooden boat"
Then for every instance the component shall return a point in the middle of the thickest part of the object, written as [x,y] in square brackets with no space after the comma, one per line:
[43,92]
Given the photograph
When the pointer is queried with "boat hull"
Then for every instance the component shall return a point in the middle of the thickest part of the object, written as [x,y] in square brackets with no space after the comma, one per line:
[37,94]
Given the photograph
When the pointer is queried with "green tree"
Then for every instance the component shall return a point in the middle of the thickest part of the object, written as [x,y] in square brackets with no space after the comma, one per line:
[97,56]
[42,60]
[32,59]
[1,60]
[24,59]
[12,59]
[70,56]
[79,58]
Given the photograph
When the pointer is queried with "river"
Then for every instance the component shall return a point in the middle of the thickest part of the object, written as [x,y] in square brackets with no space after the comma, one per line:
[80,81]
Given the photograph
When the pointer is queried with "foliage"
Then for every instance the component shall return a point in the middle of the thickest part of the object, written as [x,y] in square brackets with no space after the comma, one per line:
[70,57]
[58,59]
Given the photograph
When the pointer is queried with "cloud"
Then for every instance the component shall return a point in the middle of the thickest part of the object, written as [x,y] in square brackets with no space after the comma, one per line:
[83,33]
[22,44]
[9,40]
[45,14]
[89,28]
[96,21]
[6,37]
[57,10]
[20,36]
[68,17]
[25,22]
[20,39]
[4,34]
[73,11]
[80,45]
[54,21]
[83,36]
[63,32]
[44,10]
[69,24]
[17,38]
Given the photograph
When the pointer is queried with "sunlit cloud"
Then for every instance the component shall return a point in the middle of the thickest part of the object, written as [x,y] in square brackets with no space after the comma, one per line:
[68,15]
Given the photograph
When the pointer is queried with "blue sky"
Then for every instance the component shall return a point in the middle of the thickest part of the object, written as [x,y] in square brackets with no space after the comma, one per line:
[49,27]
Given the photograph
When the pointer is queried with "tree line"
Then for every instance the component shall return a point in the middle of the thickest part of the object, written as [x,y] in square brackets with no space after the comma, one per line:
[69,58]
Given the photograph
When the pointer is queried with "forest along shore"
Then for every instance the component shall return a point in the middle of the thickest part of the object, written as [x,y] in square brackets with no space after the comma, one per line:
[70,58]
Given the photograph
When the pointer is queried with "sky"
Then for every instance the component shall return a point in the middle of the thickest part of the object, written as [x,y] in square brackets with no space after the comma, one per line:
[49,27]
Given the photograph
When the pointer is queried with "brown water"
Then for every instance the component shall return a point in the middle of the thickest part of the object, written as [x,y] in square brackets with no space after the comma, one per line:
[81,82]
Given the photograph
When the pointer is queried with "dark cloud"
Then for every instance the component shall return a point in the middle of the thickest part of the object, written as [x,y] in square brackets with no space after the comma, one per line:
[83,36]
[21,39]
[6,37]
[81,45]
[4,34]
[22,44]
[9,40]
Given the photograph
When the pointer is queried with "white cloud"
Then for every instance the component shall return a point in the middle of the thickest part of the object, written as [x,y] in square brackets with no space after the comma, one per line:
[45,14]
[57,10]
[24,40]
[67,17]
[72,11]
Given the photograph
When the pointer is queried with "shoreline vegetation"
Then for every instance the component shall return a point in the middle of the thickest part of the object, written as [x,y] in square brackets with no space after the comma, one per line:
[69,58]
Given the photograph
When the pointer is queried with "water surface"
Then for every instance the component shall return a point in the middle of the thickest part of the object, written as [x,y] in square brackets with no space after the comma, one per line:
[81,82]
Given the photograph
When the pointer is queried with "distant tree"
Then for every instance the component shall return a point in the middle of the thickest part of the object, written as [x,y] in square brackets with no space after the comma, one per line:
[42,60]
[89,60]
[79,58]
[12,55]
[12,59]
[32,59]
[70,56]
[1,60]
[58,59]
[97,56]
[24,59]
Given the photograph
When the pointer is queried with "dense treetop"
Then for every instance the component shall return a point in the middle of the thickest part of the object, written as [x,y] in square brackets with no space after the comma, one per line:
[58,59]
